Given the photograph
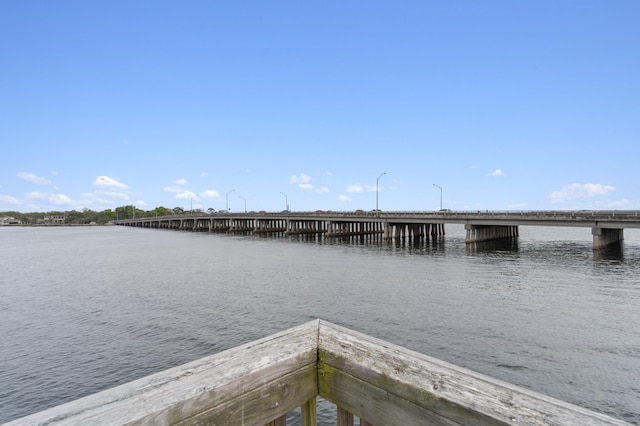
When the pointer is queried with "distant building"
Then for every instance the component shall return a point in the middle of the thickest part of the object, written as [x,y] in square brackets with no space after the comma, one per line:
[54,219]
[7,220]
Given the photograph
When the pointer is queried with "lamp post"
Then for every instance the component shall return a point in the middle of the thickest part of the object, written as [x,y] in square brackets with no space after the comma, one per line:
[286,201]
[378,179]
[228,198]
[195,196]
[245,203]
[157,204]
[438,186]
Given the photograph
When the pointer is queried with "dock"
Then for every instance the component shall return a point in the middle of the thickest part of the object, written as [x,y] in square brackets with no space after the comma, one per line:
[369,380]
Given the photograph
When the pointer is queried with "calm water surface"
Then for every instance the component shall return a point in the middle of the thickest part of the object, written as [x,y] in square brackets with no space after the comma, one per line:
[85,309]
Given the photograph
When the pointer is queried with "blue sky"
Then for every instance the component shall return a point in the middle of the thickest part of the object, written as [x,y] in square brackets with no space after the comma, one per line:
[506,105]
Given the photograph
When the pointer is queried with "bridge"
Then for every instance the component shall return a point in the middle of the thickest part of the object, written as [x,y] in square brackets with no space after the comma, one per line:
[607,226]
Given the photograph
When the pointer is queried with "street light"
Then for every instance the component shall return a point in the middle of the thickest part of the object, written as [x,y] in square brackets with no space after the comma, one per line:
[228,198]
[440,194]
[286,200]
[195,196]
[384,173]
[157,204]
[245,203]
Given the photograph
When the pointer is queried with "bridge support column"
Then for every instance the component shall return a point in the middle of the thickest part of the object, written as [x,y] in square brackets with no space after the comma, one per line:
[603,237]
[478,233]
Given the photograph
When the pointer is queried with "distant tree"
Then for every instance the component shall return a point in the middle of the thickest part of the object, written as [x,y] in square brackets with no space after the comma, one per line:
[72,217]
[26,218]
[120,213]
[138,212]
[127,212]
[106,216]
[163,211]
[89,216]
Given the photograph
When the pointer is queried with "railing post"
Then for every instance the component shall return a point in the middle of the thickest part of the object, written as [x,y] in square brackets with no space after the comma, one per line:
[345,418]
[309,415]
[280,421]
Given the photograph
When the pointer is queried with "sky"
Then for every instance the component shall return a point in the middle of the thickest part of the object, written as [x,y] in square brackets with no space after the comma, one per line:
[320,105]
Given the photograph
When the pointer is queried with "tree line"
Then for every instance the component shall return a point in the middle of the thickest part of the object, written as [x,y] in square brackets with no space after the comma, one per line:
[88,216]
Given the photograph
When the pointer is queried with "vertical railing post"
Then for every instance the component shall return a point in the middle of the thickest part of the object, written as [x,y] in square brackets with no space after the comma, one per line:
[345,418]
[309,415]
[280,421]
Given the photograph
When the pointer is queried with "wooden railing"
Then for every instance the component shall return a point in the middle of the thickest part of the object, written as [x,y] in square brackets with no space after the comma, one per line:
[260,382]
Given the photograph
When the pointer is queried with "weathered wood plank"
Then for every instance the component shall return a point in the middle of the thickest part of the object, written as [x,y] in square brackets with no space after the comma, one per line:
[180,393]
[262,404]
[447,390]
[260,381]
[371,402]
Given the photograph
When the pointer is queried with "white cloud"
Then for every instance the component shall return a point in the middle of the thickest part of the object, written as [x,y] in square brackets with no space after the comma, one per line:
[91,200]
[113,194]
[204,174]
[30,177]
[172,189]
[186,195]
[210,193]
[106,181]
[301,179]
[580,190]
[9,199]
[497,173]
[356,187]
[344,198]
[57,199]
[182,181]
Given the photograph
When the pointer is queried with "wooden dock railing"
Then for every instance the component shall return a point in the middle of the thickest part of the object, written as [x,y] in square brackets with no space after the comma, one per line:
[260,382]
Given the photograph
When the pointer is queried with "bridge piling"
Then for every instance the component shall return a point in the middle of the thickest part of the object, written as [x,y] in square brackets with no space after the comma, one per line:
[607,226]
[479,233]
[603,237]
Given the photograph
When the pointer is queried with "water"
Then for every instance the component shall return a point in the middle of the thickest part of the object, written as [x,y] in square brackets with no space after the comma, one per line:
[84,309]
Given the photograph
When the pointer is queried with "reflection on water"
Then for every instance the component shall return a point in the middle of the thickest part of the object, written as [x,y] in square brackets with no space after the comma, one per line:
[505,245]
[84,309]
[611,253]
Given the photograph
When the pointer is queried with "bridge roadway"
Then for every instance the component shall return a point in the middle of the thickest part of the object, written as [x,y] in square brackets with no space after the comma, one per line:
[607,227]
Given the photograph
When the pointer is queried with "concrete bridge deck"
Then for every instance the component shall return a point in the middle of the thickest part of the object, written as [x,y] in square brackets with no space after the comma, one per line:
[607,226]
